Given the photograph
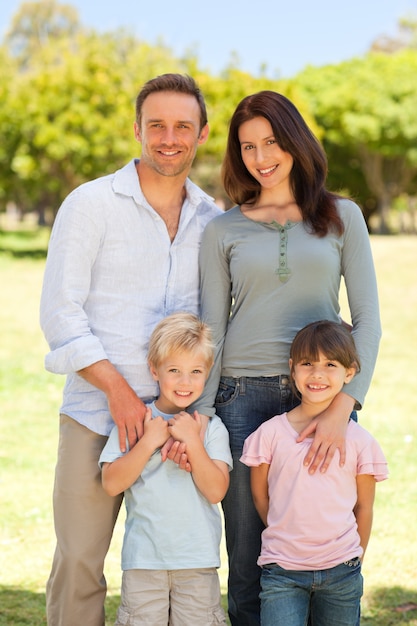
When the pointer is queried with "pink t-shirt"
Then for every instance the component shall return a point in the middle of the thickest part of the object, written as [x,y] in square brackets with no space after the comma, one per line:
[311,524]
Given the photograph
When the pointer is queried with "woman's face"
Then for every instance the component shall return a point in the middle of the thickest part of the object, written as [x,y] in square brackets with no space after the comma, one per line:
[264,159]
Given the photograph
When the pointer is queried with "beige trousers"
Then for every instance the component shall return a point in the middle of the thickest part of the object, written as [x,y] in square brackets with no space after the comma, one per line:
[84,517]
[184,597]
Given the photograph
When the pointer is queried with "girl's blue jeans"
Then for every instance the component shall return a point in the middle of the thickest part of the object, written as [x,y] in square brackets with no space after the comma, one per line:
[329,597]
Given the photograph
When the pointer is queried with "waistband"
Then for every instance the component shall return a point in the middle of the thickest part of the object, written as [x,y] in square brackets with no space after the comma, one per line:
[282,379]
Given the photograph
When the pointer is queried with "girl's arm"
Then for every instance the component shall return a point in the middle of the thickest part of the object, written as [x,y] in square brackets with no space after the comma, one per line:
[124,471]
[210,476]
[363,509]
[259,486]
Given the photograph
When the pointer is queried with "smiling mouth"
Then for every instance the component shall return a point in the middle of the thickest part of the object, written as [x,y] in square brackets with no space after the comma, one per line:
[169,153]
[183,394]
[317,387]
[268,170]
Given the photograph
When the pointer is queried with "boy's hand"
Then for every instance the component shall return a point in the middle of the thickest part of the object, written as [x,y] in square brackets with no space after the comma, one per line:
[185,427]
[155,430]
[176,451]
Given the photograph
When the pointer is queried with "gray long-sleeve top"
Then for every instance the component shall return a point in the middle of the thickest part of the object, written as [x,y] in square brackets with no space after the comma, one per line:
[261,283]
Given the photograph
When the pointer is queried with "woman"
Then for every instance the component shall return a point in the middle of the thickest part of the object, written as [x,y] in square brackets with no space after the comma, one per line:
[269,266]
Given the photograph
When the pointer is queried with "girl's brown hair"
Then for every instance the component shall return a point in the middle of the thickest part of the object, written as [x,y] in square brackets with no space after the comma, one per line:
[330,338]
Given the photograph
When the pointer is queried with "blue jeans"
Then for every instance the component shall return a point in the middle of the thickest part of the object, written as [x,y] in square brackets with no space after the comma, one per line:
[331,597]
[244,404]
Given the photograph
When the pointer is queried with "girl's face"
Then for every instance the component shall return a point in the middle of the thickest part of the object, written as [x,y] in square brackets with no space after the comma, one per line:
[320,381]
[264,159]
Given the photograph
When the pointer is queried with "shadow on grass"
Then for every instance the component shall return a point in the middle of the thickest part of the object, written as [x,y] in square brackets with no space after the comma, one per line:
[24,254]
[30,244]
[387,606]
[21,607]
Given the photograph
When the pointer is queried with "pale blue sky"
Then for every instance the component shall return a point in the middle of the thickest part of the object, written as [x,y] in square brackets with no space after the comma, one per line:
[286,36]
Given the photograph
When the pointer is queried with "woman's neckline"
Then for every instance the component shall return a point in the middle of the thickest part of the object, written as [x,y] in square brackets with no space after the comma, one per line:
[274,222]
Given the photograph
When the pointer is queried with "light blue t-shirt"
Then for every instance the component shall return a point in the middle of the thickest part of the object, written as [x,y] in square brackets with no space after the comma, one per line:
[169,523]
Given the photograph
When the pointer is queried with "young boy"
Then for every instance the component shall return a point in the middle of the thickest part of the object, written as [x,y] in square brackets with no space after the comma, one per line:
[173,527]
[317,526]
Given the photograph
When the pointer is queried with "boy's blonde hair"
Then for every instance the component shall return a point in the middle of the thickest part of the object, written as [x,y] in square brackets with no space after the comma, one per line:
[180,332]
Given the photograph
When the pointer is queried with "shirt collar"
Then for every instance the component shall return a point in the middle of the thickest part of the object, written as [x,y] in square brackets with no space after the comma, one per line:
[126,182]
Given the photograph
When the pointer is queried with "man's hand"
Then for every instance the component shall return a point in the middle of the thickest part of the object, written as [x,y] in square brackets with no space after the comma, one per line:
[126,408]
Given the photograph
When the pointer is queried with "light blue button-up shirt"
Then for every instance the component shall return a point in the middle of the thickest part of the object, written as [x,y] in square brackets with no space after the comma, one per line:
[111,274]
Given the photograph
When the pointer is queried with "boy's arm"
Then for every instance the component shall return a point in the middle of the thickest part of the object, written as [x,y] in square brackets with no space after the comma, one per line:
[124,471]
[363,509]
[259,486]
[210,476]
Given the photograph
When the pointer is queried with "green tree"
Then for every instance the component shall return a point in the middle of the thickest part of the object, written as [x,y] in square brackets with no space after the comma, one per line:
[36,24]
[72,114]
[367,108]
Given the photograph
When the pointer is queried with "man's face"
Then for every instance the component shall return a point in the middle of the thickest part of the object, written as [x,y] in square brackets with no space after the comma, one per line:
[170,132]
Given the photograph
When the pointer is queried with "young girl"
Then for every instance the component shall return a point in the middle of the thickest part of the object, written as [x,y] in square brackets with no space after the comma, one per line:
[317,525]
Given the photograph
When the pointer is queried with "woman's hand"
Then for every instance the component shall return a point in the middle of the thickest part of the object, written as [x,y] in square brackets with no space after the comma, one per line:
[329,430]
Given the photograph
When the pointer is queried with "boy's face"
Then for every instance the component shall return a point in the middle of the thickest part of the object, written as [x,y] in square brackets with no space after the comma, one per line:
[181,379]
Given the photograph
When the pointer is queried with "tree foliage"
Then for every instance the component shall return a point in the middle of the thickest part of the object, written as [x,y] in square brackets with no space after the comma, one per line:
[68,97]
[367,109]
[36,24]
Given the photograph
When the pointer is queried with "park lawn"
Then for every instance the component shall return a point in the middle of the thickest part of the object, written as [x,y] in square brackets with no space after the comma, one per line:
[30,399]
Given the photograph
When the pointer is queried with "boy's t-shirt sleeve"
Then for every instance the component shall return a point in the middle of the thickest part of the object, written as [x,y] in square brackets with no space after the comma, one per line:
[216,442]
[111,450]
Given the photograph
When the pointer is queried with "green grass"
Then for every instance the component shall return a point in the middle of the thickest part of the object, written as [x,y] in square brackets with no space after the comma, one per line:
[29,403]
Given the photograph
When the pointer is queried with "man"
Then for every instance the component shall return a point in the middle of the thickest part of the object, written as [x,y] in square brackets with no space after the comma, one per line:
[123,254]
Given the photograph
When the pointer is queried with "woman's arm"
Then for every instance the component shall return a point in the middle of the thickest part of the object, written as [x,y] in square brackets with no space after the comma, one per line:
[361,286]
[259,486]
[216,297]
[330,432]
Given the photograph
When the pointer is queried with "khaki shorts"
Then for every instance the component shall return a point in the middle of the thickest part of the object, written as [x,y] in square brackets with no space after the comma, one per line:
[187,597]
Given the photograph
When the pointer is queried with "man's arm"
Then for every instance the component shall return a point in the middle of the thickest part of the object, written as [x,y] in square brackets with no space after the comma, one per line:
[126,408]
